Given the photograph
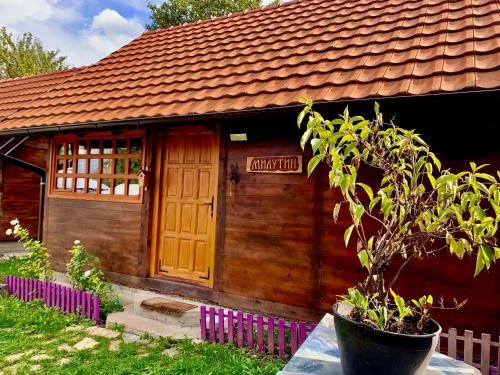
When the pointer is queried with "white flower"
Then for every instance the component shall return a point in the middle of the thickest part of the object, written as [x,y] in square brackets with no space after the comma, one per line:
[8,232]
[16,228]
[87,273]
[14,222]
[77,242]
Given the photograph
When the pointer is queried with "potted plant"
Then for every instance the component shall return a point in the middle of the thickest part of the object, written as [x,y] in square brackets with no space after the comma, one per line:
[418,209]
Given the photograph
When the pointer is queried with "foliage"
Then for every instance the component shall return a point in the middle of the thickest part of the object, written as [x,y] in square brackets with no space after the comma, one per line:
[83,274]
[9,266]
[26,56]
[20,321]
[418,207]
[35,264]
[177,12]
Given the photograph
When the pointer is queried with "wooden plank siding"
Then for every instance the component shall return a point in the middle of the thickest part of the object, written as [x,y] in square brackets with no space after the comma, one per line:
[109,230]
[20,188]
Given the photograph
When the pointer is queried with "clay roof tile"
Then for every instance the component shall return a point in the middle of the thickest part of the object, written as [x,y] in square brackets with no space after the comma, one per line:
[324,49]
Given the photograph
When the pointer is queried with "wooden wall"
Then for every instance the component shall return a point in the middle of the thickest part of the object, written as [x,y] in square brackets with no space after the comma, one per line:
[109,230]
[281,244]
[20,188]
[269,225]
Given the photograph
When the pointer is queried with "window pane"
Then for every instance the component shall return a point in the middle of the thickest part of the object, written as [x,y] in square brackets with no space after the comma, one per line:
[92,185]
[121,146]
[60,149]
[106,166]
[94,166]
[94,147]
[70,148]
[80,185]
[60,166]
[69,183]
[107,146]
[135,166]
[133,187]
[59,183]
[82,147]
[120,186]
[135,145]
[120,166]
[81,166]
[105,186]
[69,166]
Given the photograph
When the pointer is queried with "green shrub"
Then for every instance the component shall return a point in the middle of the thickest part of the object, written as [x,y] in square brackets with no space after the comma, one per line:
[9,266]
[83,274]
[35,264]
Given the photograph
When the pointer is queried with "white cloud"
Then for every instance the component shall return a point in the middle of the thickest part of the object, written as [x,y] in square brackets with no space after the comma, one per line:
[61,24]
[15,11]
[110,31]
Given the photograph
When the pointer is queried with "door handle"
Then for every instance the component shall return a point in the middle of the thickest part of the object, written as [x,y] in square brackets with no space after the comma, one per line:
[211,204]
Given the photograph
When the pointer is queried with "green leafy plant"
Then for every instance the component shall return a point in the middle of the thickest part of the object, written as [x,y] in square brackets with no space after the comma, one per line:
[357,300]
[379,317]
[35,264]
[83,274]
[423,306]
[418,207]
[403,310]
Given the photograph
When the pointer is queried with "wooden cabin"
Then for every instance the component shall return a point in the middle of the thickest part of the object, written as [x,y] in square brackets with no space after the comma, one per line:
[176,159]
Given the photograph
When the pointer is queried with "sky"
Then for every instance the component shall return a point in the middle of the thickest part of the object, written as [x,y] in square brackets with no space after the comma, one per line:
[83,30]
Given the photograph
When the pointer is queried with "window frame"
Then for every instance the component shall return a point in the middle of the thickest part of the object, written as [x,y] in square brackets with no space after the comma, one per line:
[54,192]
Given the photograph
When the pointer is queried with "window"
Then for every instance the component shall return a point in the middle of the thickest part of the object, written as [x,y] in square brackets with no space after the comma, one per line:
[99,166]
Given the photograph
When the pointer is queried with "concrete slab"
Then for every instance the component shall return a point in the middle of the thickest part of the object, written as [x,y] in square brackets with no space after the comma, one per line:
[139,325]
[11,248]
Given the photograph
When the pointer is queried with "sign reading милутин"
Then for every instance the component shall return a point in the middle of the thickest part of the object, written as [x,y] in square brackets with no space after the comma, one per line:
[274,164]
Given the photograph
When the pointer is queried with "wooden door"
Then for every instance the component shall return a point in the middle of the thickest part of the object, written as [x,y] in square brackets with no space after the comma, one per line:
[187,205]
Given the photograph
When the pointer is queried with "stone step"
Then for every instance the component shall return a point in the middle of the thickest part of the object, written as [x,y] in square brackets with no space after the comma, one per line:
[140,325]
[189,318]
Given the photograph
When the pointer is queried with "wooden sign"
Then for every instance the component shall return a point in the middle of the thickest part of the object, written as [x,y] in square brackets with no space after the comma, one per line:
[274,164]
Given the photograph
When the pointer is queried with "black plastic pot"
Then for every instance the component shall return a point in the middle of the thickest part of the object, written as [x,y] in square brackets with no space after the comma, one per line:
[368,351]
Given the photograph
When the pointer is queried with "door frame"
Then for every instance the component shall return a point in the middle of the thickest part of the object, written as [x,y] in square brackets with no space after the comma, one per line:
[158,153]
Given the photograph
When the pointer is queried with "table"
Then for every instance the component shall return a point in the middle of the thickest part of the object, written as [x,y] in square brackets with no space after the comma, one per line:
[319,355]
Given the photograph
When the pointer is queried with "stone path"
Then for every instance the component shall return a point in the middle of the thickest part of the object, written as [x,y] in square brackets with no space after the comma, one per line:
[80,338]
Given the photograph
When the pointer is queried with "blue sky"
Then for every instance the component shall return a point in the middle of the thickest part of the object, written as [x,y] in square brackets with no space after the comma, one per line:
[83,30]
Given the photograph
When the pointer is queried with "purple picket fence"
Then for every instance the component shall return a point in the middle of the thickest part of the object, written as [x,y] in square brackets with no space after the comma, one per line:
[265,334]
[67,299]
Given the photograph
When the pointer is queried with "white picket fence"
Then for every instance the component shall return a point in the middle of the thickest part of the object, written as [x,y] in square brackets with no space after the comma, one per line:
[463,346]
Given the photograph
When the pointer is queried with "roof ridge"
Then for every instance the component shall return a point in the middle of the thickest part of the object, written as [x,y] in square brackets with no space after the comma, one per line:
[227,16]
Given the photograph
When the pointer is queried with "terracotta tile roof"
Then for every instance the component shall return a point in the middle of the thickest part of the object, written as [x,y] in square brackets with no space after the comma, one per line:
[324,49]
[16,93]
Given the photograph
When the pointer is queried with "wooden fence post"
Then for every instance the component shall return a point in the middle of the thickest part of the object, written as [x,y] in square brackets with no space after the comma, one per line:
[203,322]
[221,325]
[485,353]
[281,337]
[97,310]
[302,333]
[260,333]
[250,330]
[239,322]
[468,345]
[211,323]
[270,336]
[230,327]
[452,343]
[293,337]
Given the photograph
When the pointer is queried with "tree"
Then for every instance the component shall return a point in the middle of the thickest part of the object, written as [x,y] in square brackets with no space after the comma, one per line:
[176,12]
[26,56]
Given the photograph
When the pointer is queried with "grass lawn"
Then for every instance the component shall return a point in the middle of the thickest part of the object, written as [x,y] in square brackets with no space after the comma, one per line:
[33,338]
